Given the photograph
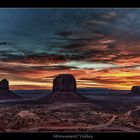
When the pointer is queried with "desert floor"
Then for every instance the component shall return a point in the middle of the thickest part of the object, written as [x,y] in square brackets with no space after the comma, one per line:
[58,116]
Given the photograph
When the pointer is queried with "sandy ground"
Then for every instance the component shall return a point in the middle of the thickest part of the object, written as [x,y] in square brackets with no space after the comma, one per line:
[115,113]
[69,117]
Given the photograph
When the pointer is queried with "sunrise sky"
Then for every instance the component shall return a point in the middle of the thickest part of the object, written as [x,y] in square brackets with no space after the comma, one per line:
[100,47]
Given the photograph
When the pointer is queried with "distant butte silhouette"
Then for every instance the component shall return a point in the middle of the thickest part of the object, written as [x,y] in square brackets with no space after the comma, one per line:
[64,90]
[135,90]
[5,93]
[4,84]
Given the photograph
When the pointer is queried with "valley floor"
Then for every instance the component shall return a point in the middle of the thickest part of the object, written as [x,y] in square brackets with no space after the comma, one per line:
[96,116]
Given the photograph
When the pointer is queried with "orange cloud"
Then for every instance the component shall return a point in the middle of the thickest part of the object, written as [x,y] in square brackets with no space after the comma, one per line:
[28,87]
[119,78]
[33,72]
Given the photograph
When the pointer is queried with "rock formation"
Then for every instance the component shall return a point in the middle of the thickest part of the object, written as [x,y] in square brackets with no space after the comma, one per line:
[64,90]
[5,93]
[25,114]
[135,90]
[4,84]
[64,83]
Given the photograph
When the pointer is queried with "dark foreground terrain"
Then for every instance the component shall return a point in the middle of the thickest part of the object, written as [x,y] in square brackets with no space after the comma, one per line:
[119,112]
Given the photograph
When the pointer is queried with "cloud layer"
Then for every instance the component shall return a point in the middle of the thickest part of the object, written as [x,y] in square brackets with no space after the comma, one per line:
[100,47]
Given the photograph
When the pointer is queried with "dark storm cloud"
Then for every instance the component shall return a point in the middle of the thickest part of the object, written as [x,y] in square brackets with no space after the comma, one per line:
[72,32]
[4,43]
[121,26]
[31,57]
[32,28]
[17,68]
